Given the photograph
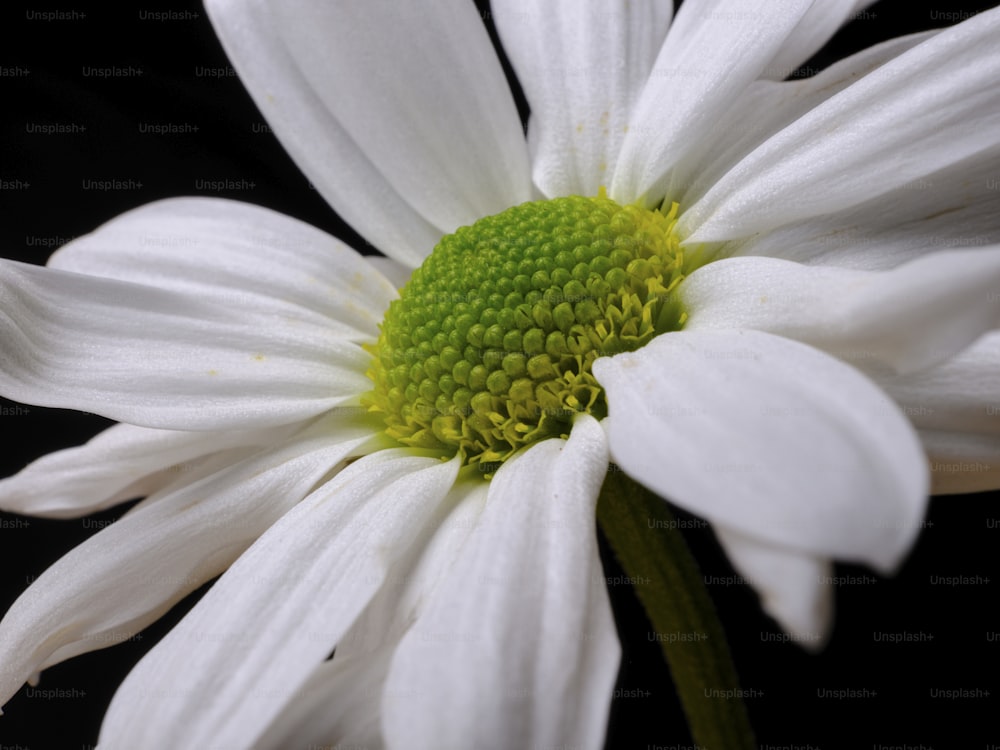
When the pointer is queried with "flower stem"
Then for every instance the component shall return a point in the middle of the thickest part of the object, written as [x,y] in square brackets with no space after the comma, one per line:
[645,538]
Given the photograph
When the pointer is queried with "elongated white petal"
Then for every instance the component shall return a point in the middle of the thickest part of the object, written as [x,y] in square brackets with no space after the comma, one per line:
[237,254]
[518,641]
[962,462]
[164,359]
[909,318]
[341,702]
[960,395]
[197,473]
[956,408]
[403,598]
[813,31]
[312,135]
[121,463]
[930,107]
[131,572]
[714,49]
[795,588]
[443,129]
[766,107]
[582,65]
[393,271]
[338,706]
[770,437]
[255,638]
[954,207]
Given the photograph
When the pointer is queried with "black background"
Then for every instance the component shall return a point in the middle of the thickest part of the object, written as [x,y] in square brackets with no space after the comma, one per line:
[792,707]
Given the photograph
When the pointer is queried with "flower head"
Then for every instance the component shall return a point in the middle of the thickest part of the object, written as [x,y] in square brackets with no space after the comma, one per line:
[714,278]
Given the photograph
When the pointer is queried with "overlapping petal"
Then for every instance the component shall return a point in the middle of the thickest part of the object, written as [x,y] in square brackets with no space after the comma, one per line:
[240,255]
[312,135]
[912,317]
[121,463]
[403,598]
[956,409]
[518,641]
[877,135]
[131,572]
[165,359]
[582,65]
[337,707]
[341,702]
[770,438]
[394,271]
[764,108]
[960,395]
[954,207]
[815,29]
[461,153]
[795,587]
[713,51]
[256,637]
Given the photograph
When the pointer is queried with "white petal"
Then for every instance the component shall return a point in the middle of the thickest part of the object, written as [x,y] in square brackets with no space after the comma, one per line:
[165,359]
[337,707]
[236,254]
[195,475]
[795,588]
[962,462]
[930,107]
[815,29]
[443,128]
[909,318]
[771,438]
[394,272]
[131,572]
[403,598]
[312,135]
[222,675]
[764,108]
[714,49]
[582,66]
[956,408]
[341,702]
[960,395]
[954,207]
[121,463]
[519,641]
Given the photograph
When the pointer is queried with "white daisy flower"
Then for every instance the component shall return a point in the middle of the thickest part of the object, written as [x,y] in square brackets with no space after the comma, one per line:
[719,280]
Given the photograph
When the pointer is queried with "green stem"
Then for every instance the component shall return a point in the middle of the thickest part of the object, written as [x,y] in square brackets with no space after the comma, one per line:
[644,535]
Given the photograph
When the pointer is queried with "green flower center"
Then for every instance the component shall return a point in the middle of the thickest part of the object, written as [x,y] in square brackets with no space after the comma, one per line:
[490,345]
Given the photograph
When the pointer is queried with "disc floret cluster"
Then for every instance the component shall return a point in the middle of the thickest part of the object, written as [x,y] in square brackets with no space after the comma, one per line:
[490,345]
